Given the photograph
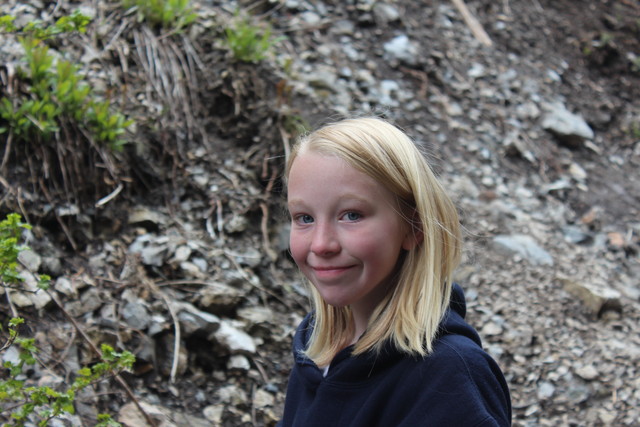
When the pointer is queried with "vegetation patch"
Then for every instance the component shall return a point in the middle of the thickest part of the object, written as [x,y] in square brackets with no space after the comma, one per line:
[21,402]
[56,126]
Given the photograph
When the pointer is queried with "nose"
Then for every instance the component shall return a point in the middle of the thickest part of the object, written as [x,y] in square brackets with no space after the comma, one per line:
[324,240]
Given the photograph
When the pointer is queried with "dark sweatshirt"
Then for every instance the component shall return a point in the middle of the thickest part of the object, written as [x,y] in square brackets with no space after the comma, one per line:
[458,384]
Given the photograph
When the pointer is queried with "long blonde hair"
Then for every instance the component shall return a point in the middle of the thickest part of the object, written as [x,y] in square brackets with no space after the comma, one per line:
[410,313]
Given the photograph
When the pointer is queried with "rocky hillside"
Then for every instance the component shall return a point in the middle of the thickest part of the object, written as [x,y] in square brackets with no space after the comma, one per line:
[529,110]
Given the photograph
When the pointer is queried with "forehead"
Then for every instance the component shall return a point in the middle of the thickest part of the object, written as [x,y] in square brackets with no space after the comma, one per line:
[315,175]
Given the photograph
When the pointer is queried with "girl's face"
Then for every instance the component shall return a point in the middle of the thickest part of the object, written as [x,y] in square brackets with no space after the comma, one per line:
[346,232]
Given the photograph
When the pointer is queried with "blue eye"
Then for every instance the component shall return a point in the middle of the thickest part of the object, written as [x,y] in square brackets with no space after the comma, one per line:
[352,216]
[304,219]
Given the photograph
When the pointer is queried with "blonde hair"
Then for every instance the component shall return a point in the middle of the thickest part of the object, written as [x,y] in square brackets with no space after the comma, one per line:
[410,313]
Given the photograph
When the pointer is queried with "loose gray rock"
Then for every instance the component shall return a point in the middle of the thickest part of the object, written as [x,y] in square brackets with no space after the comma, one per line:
[30,260]
[235,339]
[568,127]
[524,246]
[596,296]
[400,48]
[136,315]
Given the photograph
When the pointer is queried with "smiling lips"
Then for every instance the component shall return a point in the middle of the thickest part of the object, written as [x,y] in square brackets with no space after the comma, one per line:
[329,272]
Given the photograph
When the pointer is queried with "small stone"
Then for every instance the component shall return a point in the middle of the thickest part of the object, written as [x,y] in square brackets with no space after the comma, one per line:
[66,287]
[575,235]
[491,329]
[136,315]
[182,253]
[568,127]
[476,71]
[251,257]
[588,372]
[234,339]
[256,315]
[30,260]
[577,172]
[238,362]
[148,218]
[616,240]
[606,417]
[597,297]
[237,224]
[545,390]
[402,49]
[385,13]
[262,399]
[219,298]
[194,320]
[11,355]
[214,413]
[232,395]
[578,394]
[524,246]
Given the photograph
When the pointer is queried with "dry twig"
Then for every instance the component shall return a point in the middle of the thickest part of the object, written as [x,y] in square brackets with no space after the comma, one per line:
[472,23]
[64,227]
[176,327]
[95,350]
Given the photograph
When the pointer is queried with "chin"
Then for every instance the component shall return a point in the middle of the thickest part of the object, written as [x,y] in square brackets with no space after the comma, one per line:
[334,301]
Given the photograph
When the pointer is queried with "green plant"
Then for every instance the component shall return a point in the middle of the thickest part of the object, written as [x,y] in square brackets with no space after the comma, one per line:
[43,403]
[38,30]
[57,93]
[169,14]
[295,124]
[603,41]
[26,403]
[11,230]
[249,42]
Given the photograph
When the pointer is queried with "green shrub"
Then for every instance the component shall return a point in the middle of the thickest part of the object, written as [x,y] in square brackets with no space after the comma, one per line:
[249,42]
[56,92]
[27,403]
[169,14]
[10,232]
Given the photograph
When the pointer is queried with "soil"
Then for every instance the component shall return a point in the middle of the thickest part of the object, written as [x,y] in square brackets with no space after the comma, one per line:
[206,171]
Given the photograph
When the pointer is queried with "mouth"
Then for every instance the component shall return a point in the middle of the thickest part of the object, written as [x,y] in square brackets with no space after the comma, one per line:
[329,272]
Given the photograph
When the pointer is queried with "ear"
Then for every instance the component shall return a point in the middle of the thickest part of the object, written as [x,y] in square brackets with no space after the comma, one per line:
[412,239]
[414,235]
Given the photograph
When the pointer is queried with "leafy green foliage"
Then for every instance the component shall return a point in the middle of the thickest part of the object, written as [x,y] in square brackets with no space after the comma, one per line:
[57,92]
[169,14]
[27,403]
[249,42]
[43,403]
[107,126]
[10,231]
[38,30]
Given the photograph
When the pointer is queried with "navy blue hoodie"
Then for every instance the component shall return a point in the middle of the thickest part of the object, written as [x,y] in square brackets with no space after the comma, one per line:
[458,384]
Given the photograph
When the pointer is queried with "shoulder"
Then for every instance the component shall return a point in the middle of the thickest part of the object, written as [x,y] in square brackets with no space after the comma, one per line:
[465,376]
[457,361]
[458,351]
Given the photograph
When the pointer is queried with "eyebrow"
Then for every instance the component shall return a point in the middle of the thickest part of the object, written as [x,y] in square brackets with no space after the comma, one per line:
[344,197]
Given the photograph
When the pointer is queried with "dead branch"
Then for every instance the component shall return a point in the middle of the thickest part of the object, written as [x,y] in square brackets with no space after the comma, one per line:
[472,23]
[7,151]
[64,227]
[264,224]
[109,197]
[95,350]
[176,327]
[245,276]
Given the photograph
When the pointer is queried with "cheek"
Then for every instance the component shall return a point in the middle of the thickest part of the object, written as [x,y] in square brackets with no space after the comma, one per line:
[378,250]
[297,247]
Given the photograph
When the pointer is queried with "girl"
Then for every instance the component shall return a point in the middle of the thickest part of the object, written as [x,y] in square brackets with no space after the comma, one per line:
[378,239]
